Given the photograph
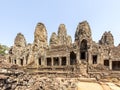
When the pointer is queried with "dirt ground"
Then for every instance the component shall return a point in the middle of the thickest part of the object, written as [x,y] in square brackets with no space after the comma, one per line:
[97,86]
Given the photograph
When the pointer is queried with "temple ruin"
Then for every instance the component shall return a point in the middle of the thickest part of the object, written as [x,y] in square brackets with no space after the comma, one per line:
[62,55]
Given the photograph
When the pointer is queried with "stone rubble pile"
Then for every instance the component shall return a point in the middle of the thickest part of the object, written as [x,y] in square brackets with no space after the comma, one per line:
[36,82]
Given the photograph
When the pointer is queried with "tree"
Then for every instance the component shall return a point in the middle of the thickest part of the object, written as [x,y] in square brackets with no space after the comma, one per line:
[3,49]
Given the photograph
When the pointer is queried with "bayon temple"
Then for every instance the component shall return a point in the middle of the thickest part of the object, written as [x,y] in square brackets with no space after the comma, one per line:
[61,55]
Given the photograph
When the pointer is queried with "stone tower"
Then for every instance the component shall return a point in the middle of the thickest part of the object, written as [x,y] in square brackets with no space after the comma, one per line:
[40,35]
[62,38]
[83,40]
[83,31]
[18,50]
[54,39]
[40,44]
[62,35]
[107,39]
[20,40]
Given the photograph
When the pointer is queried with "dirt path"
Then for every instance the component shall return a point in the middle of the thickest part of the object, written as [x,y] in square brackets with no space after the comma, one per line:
[104,86]
[97,86]
[113,86]
[89,86]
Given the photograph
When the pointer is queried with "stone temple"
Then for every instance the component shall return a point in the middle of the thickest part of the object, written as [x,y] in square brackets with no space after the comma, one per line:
[61,55]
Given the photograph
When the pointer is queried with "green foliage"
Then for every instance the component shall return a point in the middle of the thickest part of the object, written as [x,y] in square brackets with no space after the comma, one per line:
[3,49]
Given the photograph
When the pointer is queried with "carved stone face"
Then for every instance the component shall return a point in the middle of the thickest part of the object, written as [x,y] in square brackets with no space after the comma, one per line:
[83,31]
[54,39]
[107,39]
[62,30]
[40,33]
[20,40]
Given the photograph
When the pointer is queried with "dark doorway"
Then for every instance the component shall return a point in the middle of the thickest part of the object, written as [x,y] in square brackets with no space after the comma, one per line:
[27,58]
[21,62]
[94,59]
[83,49]
[15,61]
[82,55]
[72,58]
[49,63]
[116,65]
[106,62]
[56,61]
[9,60]
[83,45]
[39,61]
[63,61]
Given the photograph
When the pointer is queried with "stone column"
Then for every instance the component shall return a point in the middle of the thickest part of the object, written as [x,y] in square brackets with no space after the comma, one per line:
[78,55]
[12,61]
[68,59]
[24,61]
[42,60]
[17,61]
[90,58]
[51,61]
[60,61]
[110,64]
[34,57]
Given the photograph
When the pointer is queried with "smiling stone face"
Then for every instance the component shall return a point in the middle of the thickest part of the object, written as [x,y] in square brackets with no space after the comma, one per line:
[107,39]
[20,40]
[40,34]
[83,30]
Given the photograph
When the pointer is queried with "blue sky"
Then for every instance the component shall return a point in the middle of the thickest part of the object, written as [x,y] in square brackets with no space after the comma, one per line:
[23,15]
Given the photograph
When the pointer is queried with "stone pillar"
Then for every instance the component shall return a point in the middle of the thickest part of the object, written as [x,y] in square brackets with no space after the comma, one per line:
[90,58]
[34,57]
[36,62]
[78,55]
[24,61]
[86,56]
[60,61]
[17,61]
[12,60]
[43,60]
[110,64]
[51,61]
[68,59]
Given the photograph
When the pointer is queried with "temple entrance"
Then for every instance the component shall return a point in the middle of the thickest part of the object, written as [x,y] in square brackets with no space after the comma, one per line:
[106,62]
[63,61]
[56,61]
[49,63]
[27,58]
[39,61]
[82,55]
[83,50]
[72,58]
[94,59]
[21,62]
[9,60]
[14,61]
[116,65]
